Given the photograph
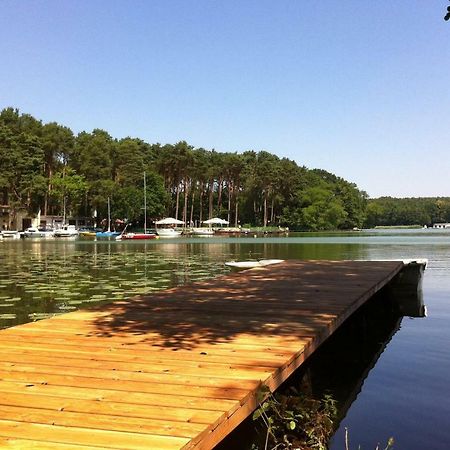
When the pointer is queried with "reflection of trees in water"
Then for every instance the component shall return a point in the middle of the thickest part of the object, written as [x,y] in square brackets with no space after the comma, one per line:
[44,277]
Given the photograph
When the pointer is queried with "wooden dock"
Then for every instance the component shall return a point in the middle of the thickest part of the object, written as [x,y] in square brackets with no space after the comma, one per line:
[177,369]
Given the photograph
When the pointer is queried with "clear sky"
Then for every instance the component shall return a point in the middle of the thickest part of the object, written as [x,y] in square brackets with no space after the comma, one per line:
[360,88]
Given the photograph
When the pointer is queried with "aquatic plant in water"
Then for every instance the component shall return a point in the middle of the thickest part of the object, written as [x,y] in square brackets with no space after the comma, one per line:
[53,278]
[389,444]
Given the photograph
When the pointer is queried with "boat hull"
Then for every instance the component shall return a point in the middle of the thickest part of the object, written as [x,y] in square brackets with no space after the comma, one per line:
[105,234]
[168,233]
[67,231]
[37,233]
[136,236]
[10,234]
[202,232]
[88,234]
[242,265]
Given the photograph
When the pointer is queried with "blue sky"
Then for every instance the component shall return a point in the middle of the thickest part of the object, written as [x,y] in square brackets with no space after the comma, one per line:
[359,88]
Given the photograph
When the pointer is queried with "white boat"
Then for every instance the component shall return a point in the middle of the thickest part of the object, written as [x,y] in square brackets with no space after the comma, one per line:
[67,231]
[34,232]
[202,231]
[168,230]
[241,265]
[10,234]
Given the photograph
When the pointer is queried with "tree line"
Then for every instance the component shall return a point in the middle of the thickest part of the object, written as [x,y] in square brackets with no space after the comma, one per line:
[388,211]
[47,167]
[44,166]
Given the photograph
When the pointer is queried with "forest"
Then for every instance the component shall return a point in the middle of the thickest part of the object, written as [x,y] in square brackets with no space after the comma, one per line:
[46,167]
[388,211]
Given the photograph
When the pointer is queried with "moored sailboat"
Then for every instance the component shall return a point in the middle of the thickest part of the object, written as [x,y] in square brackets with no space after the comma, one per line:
[138,236]
[107,232]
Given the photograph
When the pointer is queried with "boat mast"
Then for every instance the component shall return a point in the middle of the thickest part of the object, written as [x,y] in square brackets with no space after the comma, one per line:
[145,205]
[64,210]
[109,216]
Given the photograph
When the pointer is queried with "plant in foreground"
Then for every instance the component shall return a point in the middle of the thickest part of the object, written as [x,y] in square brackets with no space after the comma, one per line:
[295,421]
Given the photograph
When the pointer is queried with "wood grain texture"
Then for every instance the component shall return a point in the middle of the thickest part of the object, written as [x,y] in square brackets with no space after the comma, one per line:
[177,369]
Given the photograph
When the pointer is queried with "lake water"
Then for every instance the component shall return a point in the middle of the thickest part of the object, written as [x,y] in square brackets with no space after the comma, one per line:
[404,395]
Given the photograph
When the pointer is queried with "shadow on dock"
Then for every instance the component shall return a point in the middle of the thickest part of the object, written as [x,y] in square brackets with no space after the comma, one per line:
[261,302]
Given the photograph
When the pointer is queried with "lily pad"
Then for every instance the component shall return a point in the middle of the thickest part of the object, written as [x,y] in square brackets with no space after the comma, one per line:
[7,316]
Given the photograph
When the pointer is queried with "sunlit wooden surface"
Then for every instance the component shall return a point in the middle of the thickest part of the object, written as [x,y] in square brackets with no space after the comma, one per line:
[176,369]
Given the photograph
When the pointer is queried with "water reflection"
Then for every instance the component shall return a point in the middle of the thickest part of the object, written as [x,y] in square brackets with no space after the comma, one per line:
[39,279]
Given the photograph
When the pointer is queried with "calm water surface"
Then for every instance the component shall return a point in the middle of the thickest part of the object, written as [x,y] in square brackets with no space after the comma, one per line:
[405,395]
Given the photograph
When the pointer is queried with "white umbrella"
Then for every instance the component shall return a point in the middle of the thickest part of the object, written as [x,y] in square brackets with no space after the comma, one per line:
[169,221]
[216,220]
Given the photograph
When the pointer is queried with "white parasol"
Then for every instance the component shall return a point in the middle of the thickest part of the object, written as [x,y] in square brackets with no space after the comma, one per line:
[169,221]
[216,221]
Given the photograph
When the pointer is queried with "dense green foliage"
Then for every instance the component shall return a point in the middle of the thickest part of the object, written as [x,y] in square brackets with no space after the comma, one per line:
[387,211]
[44,166]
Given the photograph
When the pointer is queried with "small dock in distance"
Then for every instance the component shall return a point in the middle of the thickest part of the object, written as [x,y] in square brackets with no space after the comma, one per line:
[177,369]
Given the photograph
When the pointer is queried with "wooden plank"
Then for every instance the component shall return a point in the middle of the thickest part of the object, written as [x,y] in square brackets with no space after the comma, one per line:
[110,395]
[99,406]
[260,345]
[29,444]
[88,437]
[150,365]
[217,356]
[172,374]
[208,392]
[100,421]
[166,378]
[175,369]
